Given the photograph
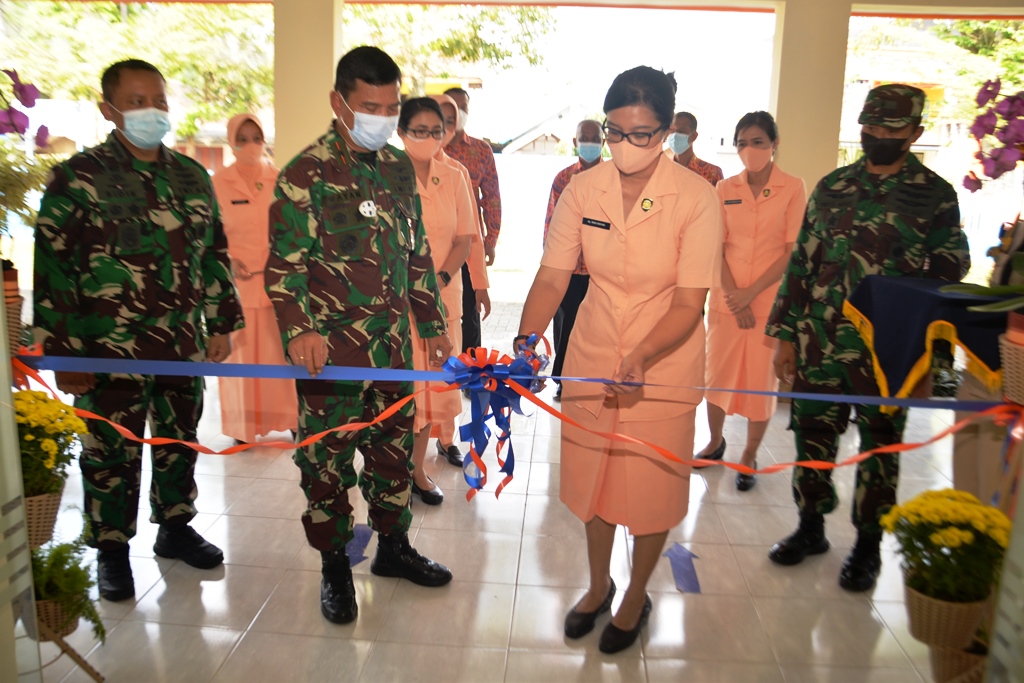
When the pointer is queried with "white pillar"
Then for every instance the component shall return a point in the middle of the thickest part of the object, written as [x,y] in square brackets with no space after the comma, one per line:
[307,45]
[808,76]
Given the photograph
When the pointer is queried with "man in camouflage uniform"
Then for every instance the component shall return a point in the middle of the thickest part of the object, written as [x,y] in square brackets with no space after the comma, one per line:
[348,261]
[886,214]
[131,262]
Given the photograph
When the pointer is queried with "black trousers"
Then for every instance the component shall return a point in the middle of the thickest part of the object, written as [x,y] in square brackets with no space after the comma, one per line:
[470,316]
[565,318]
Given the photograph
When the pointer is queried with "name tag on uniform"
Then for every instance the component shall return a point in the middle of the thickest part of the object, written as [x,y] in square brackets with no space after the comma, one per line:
[239,201]
[594,223]
[733,201]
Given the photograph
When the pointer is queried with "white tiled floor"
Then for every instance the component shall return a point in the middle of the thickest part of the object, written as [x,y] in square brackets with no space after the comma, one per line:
[519,565]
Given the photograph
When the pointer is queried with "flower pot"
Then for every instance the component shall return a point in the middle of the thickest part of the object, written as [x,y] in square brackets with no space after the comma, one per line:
[56,619]
[941,623]
[950,665]
[40,516]
[1011,357]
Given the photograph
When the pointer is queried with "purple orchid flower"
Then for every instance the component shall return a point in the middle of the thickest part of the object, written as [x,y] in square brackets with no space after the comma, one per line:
[42,136]
[972,182]
[1012,133]
[984,125]
[26,93]
[988,92]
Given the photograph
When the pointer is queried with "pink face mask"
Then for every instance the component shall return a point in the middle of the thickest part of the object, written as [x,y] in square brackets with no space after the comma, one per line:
[249,154]
[755,158]
[421,150]
[629,158]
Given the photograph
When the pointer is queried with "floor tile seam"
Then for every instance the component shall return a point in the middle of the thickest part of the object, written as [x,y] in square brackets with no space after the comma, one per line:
[881,617]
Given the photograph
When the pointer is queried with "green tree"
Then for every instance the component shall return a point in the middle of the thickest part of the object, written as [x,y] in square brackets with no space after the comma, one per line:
[218,58]
[431,41]
[1002,41]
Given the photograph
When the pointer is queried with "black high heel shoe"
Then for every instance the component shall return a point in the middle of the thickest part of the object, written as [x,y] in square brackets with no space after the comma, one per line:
[434,496]
[579,624]
[614,639]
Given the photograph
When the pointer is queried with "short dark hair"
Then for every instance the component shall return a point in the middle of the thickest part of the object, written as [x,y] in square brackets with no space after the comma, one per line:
[417,105]
[112,75]
[368,64]
[690,119]
[762,120]
[457,91]
[645,86]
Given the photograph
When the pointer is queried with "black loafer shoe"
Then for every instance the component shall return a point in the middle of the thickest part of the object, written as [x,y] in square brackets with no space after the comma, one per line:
[114,575]
[745,482]
[716,454]
[614,639]
[451,454]
[558,393]
[184,543]
[434,496]
[395,557]
[579,624]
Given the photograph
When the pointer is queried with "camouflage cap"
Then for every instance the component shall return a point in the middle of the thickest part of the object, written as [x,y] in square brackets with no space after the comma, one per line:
[894,105]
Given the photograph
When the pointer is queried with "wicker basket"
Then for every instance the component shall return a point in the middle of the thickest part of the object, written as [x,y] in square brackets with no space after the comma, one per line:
[55,618]
[13,308]
[1011,357]
[941,623]
[950,665]
[40,516]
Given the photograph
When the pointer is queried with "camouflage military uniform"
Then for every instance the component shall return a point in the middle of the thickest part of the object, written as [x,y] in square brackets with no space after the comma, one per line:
[130,262]
[349,259]
[857,224]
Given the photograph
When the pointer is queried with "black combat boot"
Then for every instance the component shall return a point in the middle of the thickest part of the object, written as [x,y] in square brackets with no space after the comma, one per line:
[863,564]
[395,557]
[114,574]
[808,539]
[180,541]
[337,594]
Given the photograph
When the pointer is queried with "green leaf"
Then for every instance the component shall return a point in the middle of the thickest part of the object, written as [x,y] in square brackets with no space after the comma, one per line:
[999,306]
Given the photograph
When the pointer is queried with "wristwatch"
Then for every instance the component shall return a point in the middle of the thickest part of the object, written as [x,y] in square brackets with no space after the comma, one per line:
[445,277]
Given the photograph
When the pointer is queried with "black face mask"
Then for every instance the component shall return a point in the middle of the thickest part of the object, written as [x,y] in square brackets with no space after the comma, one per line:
[882,151]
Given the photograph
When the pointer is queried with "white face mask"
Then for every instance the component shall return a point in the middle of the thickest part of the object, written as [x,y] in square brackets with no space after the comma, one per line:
[370,131]
[463,118]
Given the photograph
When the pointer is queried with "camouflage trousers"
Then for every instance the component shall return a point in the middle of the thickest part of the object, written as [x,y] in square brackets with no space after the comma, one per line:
[817,426]
[327,467]
[112,465]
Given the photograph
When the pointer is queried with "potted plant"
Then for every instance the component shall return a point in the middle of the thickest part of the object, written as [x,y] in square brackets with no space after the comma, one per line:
[999,130]
[952,548]
[48,433]
[62,582]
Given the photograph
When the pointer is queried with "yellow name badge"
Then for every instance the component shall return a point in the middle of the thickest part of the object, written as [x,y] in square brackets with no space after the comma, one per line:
[646,204]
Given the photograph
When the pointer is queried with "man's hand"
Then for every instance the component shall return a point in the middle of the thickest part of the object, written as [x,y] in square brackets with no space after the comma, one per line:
[310,350]
[738,299]
[438,349]
[745,318]
[483,302]
[239,269]
[488,254]
[218,348]
[75,383]
[631,369]
[785,361]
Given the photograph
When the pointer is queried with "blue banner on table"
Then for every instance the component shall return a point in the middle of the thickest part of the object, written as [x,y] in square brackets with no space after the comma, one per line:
[900,319]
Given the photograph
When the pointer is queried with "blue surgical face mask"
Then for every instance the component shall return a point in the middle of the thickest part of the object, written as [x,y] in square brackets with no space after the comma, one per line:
[590,151]
[678,143]
[145,128]
[371,131]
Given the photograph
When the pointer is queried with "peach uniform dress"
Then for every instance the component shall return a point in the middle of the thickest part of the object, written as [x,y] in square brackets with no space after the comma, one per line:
[636,262]
[757,230]
[447,214]
[253,406]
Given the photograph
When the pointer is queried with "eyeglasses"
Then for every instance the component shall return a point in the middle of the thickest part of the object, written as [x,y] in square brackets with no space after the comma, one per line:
[423,133]
[635,139]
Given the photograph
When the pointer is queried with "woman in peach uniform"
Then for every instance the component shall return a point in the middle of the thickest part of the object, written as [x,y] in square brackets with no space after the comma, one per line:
[650,231]
[448,221]
[763,208]
[251,407]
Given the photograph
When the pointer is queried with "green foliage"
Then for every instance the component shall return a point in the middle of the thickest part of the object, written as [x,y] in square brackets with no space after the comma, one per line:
[218,58]
[1002,41]
[59,573]
[430,40]
[20,174]
[1008,304]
